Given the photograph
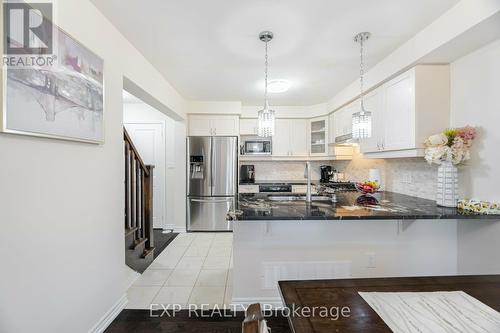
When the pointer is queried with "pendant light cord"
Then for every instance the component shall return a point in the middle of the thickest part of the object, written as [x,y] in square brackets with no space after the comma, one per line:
[266,65]
[361,75]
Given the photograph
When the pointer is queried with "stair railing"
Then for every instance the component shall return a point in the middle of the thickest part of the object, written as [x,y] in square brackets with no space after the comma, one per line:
[138,196]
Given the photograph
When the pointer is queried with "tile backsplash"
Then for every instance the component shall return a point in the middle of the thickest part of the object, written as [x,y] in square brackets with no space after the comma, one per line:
[412,176]
[286,170]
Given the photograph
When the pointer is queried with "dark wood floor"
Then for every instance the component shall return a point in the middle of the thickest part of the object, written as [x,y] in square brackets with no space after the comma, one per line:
[162,240]
[141,321]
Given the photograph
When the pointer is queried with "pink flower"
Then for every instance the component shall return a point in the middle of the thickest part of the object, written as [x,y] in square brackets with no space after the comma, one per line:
[468,134]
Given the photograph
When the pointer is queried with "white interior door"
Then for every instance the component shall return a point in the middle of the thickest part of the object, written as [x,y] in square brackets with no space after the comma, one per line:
[149,141]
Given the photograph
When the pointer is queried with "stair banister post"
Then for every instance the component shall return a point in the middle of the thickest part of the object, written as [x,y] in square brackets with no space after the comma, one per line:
[148,206]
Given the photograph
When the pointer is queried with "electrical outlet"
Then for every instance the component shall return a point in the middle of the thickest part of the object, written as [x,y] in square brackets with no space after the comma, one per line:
[371,260]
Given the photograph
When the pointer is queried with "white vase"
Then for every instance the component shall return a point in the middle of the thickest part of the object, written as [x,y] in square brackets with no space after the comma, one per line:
[447,185]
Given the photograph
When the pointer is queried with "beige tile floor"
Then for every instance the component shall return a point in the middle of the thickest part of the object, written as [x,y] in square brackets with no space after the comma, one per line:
[194,269]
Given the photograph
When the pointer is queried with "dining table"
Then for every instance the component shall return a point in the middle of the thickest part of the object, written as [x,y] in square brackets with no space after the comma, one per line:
[344,310]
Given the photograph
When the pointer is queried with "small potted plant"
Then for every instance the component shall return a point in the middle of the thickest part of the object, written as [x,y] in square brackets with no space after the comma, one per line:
[449,149]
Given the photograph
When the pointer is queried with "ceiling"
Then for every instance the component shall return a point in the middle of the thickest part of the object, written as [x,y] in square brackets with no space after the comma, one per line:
[209,50]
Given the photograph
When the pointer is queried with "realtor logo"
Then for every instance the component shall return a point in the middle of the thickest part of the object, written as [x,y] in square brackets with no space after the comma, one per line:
[27,28]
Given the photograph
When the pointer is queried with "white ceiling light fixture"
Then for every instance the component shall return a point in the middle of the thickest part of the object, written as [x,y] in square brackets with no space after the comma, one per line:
[266,115]
[362,120]
[278,86]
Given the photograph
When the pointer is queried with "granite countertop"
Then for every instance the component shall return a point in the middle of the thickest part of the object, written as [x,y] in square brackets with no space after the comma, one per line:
[388,205]
[287,182]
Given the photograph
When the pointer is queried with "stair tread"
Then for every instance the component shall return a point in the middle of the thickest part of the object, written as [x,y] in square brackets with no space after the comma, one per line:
[138,242]
[128,231]
[147,252]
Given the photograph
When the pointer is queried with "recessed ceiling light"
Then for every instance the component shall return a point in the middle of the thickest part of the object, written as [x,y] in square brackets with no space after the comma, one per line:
[278,86]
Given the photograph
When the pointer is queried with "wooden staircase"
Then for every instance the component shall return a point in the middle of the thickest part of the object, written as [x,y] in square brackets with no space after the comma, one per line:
[139,240]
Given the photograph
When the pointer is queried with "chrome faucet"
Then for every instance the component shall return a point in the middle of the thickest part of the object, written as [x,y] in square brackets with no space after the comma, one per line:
[307,174]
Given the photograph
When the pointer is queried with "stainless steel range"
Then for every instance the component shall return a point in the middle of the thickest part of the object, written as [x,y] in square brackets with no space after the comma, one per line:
[340,186]
[212,178]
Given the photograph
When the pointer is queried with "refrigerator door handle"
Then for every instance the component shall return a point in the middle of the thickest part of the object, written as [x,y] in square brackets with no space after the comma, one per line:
[212,201]
[212,166]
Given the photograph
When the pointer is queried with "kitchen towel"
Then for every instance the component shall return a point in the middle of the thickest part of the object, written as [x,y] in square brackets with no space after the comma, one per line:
[433,312]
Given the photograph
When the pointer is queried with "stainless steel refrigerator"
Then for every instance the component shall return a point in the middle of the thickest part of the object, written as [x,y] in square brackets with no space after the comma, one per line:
[212,178]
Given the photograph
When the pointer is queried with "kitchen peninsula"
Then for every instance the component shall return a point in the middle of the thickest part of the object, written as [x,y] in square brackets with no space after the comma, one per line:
[388,235]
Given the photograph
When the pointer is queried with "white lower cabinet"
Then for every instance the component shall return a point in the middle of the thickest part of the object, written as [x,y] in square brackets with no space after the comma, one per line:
[301,189]
[213,125]
[248,189]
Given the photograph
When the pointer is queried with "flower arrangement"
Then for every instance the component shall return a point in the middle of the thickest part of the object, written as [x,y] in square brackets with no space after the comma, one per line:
[453,145]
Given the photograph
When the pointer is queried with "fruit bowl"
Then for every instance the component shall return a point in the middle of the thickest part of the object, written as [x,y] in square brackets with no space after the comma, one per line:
[367,187]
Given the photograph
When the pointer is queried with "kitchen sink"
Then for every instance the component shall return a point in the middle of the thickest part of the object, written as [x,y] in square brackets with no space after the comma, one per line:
[297,198]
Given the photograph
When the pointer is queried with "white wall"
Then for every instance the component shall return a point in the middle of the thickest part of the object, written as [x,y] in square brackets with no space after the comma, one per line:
[213,107]
[175,147]
[287,111]
[236,108]
[465,27]
[475,101]
[61,203]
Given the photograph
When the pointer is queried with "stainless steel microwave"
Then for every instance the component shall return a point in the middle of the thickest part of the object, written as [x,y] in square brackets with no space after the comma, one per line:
[257,147]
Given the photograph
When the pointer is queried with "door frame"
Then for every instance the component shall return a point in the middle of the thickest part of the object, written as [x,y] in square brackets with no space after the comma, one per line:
[165,225]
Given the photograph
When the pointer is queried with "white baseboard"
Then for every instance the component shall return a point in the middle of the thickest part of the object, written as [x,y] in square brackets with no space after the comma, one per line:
[112,313]
[168,227]
[180,229]
[133,276]
[242,303]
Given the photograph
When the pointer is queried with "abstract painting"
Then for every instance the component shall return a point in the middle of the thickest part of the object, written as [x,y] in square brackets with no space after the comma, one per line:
[62,101]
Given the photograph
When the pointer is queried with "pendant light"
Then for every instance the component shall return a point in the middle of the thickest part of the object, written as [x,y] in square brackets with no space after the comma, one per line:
[266,115]
[362,120]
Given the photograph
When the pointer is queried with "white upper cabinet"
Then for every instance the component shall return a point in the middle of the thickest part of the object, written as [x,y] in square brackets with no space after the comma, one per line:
[331,127]
[298,137]
[399,112]
[200,126]
[374,104]
[226,125]
[319,136]
[342,121]
[407,110]
[281,138]
[290,138]
[249,126]
[213,125]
